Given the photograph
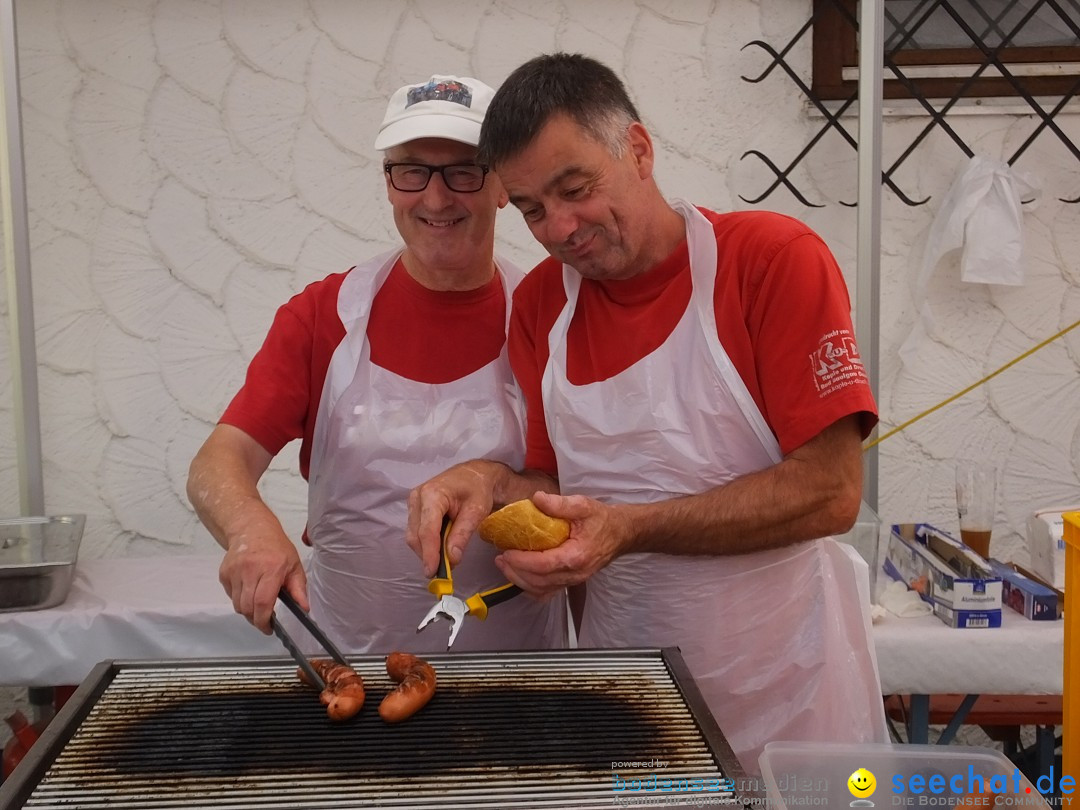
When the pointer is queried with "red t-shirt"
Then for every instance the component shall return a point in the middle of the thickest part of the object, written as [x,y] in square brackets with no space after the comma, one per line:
[424,335]
[782,315]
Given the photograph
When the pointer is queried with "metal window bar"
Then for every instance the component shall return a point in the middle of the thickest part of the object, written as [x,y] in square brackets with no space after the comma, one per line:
[904,29]
[904,32]
[990,55]
[992,59]
[993,24]
[832,122]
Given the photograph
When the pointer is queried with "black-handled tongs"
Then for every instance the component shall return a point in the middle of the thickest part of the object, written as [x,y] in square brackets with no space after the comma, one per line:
[315,631]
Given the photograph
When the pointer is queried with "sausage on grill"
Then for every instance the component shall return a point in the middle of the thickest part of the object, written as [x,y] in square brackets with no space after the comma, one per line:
[344,692]
[416,686]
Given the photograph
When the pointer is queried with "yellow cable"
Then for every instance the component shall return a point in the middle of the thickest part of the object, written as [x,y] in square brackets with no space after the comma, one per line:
[971,387]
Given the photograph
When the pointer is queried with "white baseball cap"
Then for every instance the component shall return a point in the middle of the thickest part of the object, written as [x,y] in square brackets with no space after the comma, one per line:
[449,107]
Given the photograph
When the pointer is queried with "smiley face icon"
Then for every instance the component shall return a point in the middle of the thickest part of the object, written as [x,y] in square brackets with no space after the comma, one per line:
[862,784]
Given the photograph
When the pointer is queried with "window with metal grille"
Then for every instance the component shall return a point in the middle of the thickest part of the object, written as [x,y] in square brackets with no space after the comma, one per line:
[954,48]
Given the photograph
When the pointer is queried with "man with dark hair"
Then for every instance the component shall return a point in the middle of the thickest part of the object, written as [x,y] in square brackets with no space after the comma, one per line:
[695,394]
[387,373]
[567,84]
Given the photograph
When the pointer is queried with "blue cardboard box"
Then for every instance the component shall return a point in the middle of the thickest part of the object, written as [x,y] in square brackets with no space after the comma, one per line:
[1031,599]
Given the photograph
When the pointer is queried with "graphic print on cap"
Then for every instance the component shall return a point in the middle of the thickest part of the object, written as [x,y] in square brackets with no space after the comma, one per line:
[452,91]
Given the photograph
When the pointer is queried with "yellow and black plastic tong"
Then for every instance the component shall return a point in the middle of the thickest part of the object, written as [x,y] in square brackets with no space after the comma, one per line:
[452,607]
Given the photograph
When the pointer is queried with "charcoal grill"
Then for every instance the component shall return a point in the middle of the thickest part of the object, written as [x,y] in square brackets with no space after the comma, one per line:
[549,729]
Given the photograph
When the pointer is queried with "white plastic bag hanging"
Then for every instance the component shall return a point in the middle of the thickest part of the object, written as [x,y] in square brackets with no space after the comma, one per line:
[982,216]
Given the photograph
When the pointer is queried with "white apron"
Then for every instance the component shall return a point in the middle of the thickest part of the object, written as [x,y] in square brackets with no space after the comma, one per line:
[778,641]
[378,435]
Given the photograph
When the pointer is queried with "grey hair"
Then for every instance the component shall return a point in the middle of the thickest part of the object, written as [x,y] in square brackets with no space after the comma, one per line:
[560,83]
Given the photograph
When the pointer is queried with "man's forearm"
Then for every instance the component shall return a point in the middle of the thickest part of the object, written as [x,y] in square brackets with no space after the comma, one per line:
[223,485]
[814,492]
[260,559]
[752,513]
[221,503]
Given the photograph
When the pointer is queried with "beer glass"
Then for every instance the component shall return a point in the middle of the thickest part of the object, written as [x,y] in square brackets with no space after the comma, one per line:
[975,485]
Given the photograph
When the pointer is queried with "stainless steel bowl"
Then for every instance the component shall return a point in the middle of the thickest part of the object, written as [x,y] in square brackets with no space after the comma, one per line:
[37,560]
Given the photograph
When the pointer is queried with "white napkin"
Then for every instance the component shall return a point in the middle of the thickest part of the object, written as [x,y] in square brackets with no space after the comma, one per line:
[980,215]
[899,600]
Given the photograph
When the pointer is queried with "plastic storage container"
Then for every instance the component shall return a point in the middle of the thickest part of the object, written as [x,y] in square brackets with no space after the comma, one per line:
[1070,740]
[37,560]
[886,776]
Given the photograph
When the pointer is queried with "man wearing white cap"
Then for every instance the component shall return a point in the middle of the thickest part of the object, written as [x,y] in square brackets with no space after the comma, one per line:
[388,373]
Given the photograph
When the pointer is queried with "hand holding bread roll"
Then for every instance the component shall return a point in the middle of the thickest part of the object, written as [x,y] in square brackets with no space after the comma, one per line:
[520,525]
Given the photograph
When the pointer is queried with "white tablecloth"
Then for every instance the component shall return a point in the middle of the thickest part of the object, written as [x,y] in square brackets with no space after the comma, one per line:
[923,656]
[174,607]
[128,608]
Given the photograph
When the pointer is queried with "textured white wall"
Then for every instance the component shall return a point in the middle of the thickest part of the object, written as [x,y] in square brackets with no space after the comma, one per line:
[192,163]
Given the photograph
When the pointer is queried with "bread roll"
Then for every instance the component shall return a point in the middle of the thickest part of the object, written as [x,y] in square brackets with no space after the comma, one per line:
[521,525]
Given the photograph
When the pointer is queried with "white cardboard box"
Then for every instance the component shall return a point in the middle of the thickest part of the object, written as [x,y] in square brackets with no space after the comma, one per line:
[1045,530]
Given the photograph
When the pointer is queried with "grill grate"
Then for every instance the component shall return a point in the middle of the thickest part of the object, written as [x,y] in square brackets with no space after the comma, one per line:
[529,730]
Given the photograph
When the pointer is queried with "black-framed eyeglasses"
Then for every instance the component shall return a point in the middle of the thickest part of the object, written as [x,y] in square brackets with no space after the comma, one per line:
[461,177]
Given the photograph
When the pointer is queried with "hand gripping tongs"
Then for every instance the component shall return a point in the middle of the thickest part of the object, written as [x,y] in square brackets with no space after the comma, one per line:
[454,608]
[315,631]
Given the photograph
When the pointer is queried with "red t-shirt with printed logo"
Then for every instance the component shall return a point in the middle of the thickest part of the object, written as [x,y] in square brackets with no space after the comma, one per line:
[782,313]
